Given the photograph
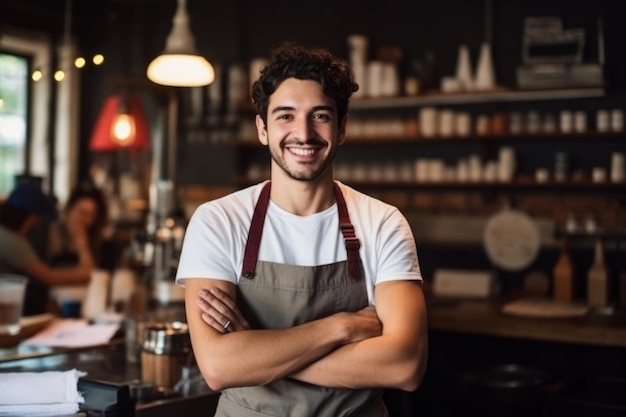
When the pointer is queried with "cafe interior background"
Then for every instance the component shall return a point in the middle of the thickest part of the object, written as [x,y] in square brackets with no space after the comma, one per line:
[497,127]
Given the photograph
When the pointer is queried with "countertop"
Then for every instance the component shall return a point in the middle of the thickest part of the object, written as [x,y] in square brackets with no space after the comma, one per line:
[485,317]
[107,363]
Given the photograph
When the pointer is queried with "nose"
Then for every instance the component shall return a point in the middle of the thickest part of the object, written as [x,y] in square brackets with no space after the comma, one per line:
[302,129]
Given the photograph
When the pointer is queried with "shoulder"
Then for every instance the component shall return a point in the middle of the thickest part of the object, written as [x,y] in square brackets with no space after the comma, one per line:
[13,244]
[233,208]
[360,202]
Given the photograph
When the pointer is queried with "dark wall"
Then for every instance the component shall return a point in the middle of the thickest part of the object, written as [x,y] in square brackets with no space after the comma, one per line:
[235,32]
[131,32]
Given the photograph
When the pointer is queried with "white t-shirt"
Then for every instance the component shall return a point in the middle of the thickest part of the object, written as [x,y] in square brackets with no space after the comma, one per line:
[216,236]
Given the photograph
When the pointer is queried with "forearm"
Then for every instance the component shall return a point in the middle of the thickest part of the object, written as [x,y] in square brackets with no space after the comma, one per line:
[395,359]
[376,362]
[85,256]
[58,276]
[254,357]
[262,356]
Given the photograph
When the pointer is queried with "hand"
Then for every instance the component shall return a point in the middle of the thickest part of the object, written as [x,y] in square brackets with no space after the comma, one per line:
[363,324]
[79,233]
[220,311]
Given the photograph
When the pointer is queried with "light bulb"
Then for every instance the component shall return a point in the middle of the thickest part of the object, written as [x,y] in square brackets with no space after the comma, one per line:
[123,129]
[98,59]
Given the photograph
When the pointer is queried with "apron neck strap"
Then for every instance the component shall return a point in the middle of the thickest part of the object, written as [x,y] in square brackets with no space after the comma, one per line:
[350,240]
[253,244]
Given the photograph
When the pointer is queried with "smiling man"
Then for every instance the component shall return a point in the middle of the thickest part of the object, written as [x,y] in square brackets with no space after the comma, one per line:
[303,295]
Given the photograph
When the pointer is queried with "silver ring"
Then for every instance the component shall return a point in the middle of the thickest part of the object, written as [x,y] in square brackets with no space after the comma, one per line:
[227,324]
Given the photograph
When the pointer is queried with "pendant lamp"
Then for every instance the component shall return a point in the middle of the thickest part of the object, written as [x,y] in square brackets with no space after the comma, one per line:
[122,124]
[180,64]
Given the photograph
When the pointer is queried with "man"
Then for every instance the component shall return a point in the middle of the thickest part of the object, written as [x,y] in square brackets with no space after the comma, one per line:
[302,294]
[23,210]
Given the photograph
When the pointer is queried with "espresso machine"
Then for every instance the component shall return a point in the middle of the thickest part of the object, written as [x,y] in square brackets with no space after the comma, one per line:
[157,247]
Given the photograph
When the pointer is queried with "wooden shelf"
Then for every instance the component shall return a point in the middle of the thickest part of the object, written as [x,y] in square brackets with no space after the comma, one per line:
[420,140]
[519,185]
[501,95]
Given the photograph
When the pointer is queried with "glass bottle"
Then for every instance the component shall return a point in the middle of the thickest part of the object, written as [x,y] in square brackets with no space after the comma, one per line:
[563,275]
[597,279]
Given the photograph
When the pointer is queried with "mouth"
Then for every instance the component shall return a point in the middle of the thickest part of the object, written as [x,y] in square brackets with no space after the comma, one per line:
[302,151]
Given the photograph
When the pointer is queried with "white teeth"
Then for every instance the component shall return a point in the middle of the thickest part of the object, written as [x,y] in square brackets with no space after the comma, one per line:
[302,152]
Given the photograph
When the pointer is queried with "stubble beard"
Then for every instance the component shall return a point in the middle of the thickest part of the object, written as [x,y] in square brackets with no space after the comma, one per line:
[306,174]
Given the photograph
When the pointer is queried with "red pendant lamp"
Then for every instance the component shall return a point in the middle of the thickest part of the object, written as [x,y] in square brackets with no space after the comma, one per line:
[121,124]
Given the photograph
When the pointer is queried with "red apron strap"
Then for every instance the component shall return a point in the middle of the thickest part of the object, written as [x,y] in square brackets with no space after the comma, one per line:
[256,230]
[349,237]
[253,244]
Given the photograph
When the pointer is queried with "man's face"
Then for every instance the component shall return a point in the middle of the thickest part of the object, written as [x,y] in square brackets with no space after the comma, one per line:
[302,130]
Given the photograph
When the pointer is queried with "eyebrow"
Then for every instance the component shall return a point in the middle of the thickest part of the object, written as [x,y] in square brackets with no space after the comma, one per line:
[289,108]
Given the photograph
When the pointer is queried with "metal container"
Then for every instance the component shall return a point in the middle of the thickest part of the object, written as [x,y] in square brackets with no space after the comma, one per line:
[165,351]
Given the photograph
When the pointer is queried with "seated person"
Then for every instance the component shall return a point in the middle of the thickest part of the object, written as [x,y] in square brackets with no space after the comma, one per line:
[20,213]
[82,222]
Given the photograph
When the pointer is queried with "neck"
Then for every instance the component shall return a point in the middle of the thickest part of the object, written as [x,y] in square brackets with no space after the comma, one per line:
[303,198]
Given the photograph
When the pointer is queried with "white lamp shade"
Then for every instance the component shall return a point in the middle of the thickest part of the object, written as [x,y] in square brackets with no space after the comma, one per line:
[181,70]
[180,65]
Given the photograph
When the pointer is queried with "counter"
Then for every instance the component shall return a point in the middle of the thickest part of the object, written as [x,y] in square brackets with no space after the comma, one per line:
[107,363]
[479,317]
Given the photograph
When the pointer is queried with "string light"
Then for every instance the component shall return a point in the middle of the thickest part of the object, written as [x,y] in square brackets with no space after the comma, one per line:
[98,59]
[79,62]
[59,75]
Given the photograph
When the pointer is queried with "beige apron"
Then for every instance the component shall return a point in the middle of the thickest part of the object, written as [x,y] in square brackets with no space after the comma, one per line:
[273,295]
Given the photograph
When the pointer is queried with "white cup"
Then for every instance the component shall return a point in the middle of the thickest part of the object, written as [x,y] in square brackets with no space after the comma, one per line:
[598,174]
[617,120]
[618,168]
[566,120]
[462,124]
[428,121]
[256,65]
[602,121]
[446,123]
[97,294]
[375,79]
[580,121]
[12,290]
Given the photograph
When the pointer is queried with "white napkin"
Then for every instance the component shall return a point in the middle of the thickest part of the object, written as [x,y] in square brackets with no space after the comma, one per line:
[40,393]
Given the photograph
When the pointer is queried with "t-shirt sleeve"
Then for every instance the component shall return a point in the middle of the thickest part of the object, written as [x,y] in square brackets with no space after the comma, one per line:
[207,250]
[18,253]
[398,252]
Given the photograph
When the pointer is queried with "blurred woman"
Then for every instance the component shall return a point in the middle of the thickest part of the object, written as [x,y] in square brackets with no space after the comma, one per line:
[82,224]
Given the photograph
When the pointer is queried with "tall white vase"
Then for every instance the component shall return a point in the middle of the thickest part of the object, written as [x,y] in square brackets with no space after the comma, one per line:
[485,78]
[464,69]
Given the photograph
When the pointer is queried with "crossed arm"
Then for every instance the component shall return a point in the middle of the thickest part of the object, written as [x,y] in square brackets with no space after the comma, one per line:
[383,347]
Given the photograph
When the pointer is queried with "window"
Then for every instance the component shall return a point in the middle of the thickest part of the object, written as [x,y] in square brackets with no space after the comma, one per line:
[56,165]
[14,79]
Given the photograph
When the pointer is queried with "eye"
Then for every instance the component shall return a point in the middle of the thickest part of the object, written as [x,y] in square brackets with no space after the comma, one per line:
[284,116]
[324,117]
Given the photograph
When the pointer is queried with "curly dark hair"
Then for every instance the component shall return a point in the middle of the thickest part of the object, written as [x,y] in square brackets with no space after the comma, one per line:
[292,60]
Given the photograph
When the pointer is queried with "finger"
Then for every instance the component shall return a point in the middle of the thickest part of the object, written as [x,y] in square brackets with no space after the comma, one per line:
[216,307]
[233,312]
[216,325]
[212,316]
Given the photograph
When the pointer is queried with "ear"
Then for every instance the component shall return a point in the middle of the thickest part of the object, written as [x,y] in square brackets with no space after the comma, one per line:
[261,130]
[341,134]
